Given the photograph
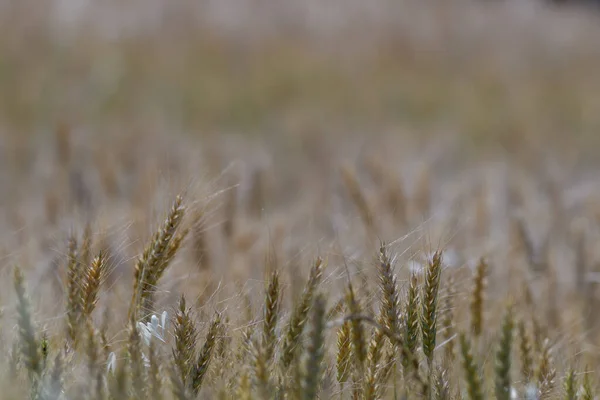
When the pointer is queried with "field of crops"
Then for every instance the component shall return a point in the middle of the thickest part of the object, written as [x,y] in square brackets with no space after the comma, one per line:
[299,200]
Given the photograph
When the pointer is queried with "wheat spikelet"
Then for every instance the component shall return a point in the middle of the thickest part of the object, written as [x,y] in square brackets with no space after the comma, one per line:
[54,382]
[442,386]
[359,199]
[447,322]
[570,386]
[155,259]
[185,342]
[300,313]
[587,392]
[525,353]
[546,372]
[411,326]
[271,315]
[244,388]
[206,353]
[503,358]
[389,292]
[344,353]
[313,369]
[95,372]
[136,363]
[119,385]
[30,354]
[359,349]
[374,364]
[474,386]
[91,285]
[178,388]
[429,305]
[477,298]
[74,290]
[154,387]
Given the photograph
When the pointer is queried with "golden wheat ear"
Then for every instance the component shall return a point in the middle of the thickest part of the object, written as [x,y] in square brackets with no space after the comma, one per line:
[155,259]
[429,307]
[206,354]
[184,351]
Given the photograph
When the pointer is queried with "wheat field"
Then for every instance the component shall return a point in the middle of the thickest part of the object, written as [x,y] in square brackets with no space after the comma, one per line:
[299,200]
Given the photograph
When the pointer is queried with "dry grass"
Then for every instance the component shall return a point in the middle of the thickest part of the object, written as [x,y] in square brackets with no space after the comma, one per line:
[284,206]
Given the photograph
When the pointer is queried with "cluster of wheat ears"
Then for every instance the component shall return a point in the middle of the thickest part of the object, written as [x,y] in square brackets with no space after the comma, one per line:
[331,325]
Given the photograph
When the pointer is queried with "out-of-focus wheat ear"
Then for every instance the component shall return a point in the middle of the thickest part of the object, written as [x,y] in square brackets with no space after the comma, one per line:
[315,351]
[271,315]
[539,334]
[261,380]
[14,359]
[200,246]
[244,387]
[85,252]
[472,379]
[429,305]
[54,380]
[587,392]
[374,364]
[477,298]
[359,348]
[358,198]
[44,350]
[119,382]
[155,259]
[448,331]
[91,285]
[184,351]
[230,212]
[503,357]
[546,373]
[481,211]
[391,186]
[206,353]
[179,390]
[106,348]
[299,315]
[525,352]
[95,371]
[570,385]
[74,291]
[441,389]
[30,354]
[344,354]
[411,313]
[390,308]
[155,383]
[421,201]
[581,261]
[136,362]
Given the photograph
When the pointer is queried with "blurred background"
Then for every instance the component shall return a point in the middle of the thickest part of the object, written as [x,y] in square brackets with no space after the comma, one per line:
[514,73]
[103,102]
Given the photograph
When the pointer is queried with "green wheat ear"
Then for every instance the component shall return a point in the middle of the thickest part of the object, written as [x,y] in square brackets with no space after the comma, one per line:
[471,371]
[503,357]
[29,347]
